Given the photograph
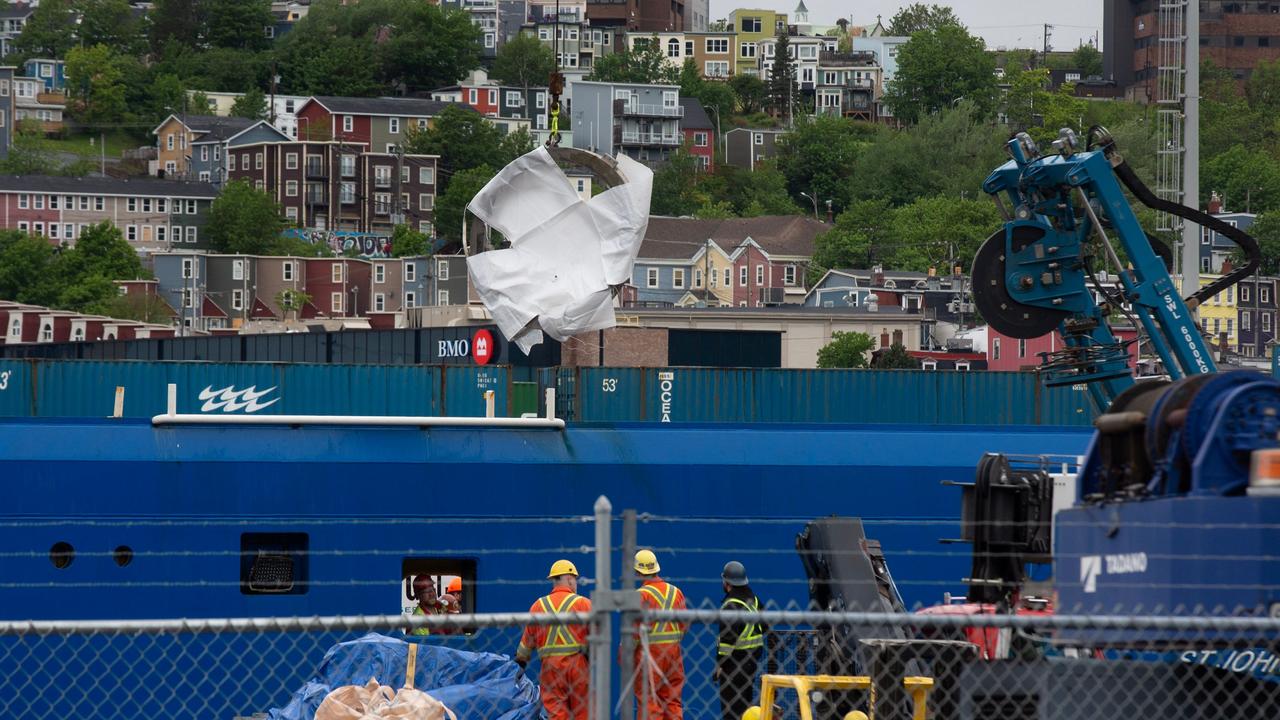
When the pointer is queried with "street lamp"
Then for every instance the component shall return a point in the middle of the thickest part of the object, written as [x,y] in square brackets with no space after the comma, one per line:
[814,200]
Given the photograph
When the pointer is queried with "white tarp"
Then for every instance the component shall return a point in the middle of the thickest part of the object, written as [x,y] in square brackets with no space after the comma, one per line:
[565,252]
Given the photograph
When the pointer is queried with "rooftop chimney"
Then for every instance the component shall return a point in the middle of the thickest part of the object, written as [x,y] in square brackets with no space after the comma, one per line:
[877,276]
[1227,266]
[933,271]
[1215,203]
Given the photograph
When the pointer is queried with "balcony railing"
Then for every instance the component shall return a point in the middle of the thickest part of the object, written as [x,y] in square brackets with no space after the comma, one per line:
[640,138]
[315,169]
[317,196]
[629,108]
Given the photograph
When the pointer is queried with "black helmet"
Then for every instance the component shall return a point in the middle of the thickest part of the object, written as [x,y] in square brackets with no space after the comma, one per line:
[734,573]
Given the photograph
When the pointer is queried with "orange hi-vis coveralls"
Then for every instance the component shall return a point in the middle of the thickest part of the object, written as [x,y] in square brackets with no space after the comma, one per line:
[660,683]
[565,678]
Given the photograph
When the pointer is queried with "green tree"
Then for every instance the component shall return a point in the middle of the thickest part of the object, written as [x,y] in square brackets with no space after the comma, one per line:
[513,145]
[109,22]
[238,24]
[782,79]
[252,105]
[818,156]
[936,69]
[751,93]
[1246,179]
[846,350]
[1266,230]
[463,139]
[524,62]
[675,187]
[750,193]
[168,95]
[95,82]
[645,63]
[27,269]
[143,307]
[49,33]
[1031,106]
[407,242]
[895,358]
[174,24]
[243,220]
[937,231]
[291,302]
[861,237]
[1088,60]
[377,46]
[453,203]
[918,17]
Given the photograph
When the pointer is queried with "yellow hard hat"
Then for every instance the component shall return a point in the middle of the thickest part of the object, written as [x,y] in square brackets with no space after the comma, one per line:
[752,713]
[647,563]
[855,715]
[562,567]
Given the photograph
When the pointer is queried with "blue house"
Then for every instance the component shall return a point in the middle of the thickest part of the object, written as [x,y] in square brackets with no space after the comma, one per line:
[209,150]
[838,288]
[53,73]
[1216,247]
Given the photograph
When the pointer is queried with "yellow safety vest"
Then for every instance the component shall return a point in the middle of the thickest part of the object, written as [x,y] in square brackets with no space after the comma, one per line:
[662,633]
[558,640]
[752,635]
[422,630]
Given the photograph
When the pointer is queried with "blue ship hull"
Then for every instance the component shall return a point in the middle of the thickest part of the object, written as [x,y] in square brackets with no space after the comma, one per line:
[367,498]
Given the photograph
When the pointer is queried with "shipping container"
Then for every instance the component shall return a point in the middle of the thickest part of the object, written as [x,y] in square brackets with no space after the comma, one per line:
[16,390]
[464,389]
[821,396]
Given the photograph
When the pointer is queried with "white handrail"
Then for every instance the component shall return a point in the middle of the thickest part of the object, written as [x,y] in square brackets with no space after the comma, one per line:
[373,420]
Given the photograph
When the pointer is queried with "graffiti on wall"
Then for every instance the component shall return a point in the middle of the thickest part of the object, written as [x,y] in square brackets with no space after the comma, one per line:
[345,242]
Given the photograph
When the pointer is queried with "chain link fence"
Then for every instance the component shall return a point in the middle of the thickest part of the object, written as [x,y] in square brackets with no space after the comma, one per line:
[814,665]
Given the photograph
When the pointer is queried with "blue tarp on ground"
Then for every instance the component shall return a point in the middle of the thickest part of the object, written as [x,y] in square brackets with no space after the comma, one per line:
[471,684]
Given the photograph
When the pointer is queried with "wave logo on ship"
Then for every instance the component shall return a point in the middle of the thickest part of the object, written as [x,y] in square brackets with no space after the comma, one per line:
[229,399]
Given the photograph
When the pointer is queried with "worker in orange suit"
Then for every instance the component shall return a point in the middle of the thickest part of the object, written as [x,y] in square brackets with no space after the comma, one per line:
[660,679]
[562,649]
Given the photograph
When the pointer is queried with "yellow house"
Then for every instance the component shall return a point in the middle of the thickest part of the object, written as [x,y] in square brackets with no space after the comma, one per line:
[1219,314]
[752,26]
[712,278]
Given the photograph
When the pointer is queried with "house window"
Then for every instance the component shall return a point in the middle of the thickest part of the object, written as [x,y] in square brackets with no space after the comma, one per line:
[673,48]
[442,269]
[677,278]
[411,272]
[929,365]
[717,46]
[237,269]
[177,233]
[24,201]
[257,161]
[291,161]
[442,297]
[188,298]
[1266,322]
[405,174]
[132,205]
[291,214]
[291,188]
[651,277]
[697,278]
[410,299]
[426,201]
[237,299]
[191,207]
[427,176]
[995,349]
[379,273]
[348,123]
[789,275]
[1231,326]
[1244,321]
[424,226]
[760,275]
[742,276]
[962,365]
[191,233]
[335,271]
[472,97]
[393,125]
[335,302]
[716,68]
[188,267]
[168,145]
[162,205]
[160,232]
[1244,293]
[751,25]
[728,277]
[347,193]
[286,271]
[379,302]
[688,48]
[700,139]
[759,138]
[513,98]
[131,233]
[382,176]
[53,230]
[84,202]
[1264,294]
[748,50]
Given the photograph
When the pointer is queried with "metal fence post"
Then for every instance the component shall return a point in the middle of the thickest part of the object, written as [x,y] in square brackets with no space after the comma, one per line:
[627,585]
[602,613]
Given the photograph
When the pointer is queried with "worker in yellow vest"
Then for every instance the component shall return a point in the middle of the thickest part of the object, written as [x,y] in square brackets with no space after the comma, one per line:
[562,649]
[660,680]
[738,652]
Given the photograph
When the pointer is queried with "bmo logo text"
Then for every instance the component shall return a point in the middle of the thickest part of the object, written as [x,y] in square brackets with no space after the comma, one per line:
[480,347]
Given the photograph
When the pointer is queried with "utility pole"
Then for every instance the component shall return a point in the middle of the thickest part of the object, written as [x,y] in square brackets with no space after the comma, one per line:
[1044,52]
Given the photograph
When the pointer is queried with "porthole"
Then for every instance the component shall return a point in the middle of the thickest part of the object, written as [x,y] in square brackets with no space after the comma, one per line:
[123,555]
[62,555]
